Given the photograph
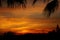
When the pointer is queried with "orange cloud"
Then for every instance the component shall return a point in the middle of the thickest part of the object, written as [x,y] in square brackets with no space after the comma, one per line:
[26,23]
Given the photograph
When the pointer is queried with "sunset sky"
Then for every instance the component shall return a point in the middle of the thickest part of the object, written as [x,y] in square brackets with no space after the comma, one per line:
[28,20]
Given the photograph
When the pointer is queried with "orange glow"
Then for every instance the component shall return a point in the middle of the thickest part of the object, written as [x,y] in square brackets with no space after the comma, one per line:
[26,25]
[32,31]
[20,22]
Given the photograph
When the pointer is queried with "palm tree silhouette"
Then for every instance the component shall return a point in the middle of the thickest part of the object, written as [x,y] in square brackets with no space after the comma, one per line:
[0,3]
[44,1]
[50,8]
[34,2]
[21,2]
[10,3]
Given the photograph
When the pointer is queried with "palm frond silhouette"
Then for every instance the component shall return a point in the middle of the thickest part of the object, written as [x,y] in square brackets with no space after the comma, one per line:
[51,7]
[34,2]
[0,3]
[21,2]
[10,3]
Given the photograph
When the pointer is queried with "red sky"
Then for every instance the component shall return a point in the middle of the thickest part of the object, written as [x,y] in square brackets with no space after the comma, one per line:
[31,18]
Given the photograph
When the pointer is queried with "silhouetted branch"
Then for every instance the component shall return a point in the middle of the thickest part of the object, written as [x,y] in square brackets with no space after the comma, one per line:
[51,7]
[34,2]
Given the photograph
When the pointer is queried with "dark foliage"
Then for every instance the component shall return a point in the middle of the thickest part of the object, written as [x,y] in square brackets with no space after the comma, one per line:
[34,2]
[10,3]
[51,7]
[21,2]
[44,1]
[0,3]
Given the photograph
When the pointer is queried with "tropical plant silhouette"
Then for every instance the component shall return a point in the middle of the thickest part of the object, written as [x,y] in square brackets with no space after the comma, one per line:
[0,3]
[51,7]
[10,3]
[21,3]
[34,2]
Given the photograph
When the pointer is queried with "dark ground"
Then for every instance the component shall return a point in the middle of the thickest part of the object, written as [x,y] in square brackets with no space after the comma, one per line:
[53,35]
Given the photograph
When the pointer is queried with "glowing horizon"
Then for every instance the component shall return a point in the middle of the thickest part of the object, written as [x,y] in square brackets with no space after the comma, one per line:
[28,20]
